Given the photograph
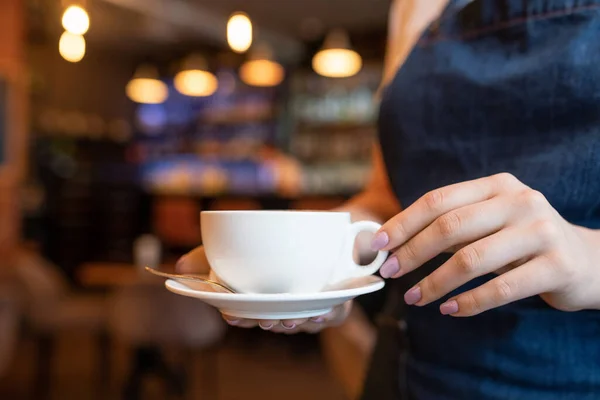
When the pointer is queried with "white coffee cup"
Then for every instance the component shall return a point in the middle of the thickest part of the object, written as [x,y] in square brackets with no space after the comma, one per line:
[284,251]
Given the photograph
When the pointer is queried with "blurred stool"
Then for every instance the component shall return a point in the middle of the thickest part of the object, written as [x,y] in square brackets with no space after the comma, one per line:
[51,308]
[147,317]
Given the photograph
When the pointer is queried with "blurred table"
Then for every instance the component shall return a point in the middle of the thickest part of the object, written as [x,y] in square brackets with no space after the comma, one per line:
[147,358]
[109,275]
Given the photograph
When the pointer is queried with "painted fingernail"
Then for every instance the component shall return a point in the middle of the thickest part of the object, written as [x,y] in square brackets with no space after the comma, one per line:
[449,307]
[318,320]
[390,268]
[287,325]
[413,295]
[266,327]
[380,240]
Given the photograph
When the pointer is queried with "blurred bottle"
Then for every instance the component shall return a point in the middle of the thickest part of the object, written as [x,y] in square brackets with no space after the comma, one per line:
[147,250]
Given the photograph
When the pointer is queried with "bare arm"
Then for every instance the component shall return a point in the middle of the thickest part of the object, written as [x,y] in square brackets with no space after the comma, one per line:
[376,202]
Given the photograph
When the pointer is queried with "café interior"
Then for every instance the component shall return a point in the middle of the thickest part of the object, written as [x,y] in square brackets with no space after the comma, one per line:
[122,120]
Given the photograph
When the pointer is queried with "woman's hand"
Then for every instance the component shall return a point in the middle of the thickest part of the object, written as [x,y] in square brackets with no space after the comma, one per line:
[195,262]
[495,225]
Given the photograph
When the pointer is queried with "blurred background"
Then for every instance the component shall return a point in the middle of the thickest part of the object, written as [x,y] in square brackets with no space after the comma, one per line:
[121,120]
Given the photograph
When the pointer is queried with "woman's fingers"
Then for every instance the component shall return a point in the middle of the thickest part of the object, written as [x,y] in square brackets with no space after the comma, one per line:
[240,322]
[480,258]
[194,262]
[463,225]
[267,324]
[290,326]
[336,316]
[532,278]
[428,208]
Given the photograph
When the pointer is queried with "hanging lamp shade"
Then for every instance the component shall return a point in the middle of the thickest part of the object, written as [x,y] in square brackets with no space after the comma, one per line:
[146,88]
[194,79]
[336,59]
[261,69]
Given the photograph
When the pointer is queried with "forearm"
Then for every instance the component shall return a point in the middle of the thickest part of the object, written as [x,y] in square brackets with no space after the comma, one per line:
[377,201]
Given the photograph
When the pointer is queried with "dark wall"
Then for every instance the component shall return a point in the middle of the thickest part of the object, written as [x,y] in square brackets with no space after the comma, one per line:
[93,205]
[94,85]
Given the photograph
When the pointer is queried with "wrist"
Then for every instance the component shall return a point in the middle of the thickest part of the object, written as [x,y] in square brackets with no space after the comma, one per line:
[595,261]
[591,238]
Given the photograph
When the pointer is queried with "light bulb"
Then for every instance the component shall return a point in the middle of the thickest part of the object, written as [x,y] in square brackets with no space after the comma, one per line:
[71,47]
[239,32]
[76,20]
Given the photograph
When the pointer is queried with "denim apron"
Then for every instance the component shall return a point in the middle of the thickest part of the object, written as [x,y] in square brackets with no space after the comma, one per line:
[496,86]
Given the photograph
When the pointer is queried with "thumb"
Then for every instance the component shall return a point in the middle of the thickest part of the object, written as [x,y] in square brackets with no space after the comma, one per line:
[194,262]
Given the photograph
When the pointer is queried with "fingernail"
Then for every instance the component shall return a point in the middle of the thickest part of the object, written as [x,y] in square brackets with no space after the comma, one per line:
[413,295]
[265,327]
[287,326]
[449,307]
[233,322]
[380,240]
[390,267]
[318,320]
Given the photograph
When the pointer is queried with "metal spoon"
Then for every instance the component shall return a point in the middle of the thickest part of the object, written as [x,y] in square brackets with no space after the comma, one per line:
[190,278]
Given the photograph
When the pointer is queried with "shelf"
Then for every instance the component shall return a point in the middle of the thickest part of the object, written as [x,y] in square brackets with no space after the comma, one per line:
[257,197]
[334,126]
[237,117]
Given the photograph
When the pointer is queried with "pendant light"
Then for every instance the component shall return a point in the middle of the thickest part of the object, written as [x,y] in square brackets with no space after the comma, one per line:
[260,69]
[146,88]
[239,32]
[336,59]
[76,20]
[71,47]
[194,79]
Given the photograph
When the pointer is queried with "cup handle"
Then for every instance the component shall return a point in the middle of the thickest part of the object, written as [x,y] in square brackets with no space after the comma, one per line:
[350,269]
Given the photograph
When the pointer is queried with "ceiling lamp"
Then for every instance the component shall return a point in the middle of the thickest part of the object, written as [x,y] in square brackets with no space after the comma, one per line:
[146,88]
[76,20]
[336,59]
[194,79]
[260,69]
[71,47]
[239,32]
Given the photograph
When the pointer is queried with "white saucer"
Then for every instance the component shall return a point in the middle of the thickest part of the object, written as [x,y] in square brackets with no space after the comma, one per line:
[278,306]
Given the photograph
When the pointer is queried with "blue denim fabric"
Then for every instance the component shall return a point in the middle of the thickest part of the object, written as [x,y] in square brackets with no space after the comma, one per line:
[502,86]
